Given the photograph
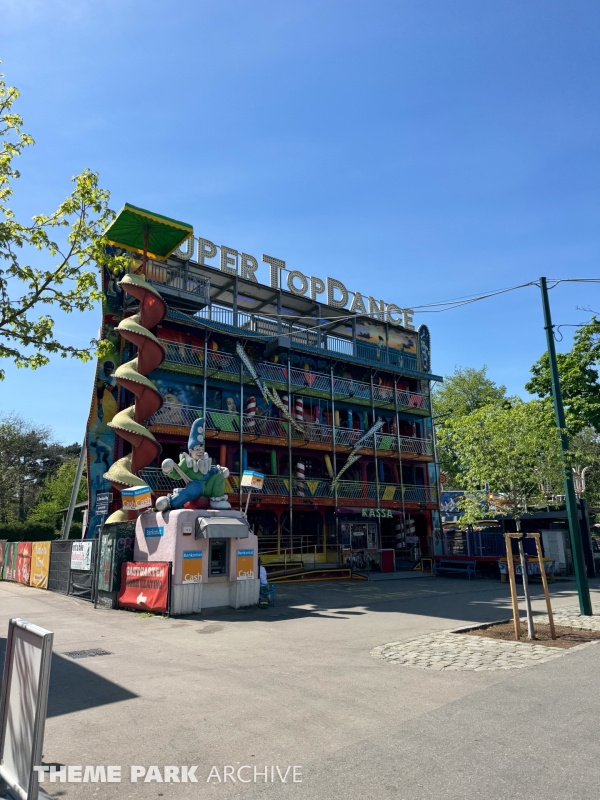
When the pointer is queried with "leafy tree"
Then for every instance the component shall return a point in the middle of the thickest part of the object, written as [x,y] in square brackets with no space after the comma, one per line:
[55,494]
[515,449]
[71,241]
[584,452]
[578,373]
[465,391]
[28,455]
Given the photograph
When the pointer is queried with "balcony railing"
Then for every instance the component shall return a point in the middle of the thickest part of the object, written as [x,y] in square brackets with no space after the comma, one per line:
[176,415]
[309,337]
[188,287]
[279,485]
[188,355]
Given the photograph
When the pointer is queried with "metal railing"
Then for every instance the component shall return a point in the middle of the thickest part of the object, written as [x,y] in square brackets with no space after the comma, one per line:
[384,355]
[178,415]
[188,355]
[180,280]
[279,485]
[310,337]
[480,543]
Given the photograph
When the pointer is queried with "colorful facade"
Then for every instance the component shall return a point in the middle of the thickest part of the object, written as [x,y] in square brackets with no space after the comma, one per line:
[288,386]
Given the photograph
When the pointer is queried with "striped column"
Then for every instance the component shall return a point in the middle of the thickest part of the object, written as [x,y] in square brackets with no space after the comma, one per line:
[299,409]
[251,414]
[300,475]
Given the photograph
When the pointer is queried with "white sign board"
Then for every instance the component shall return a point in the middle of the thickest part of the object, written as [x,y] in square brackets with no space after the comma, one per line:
[554,548]
[23,706]
[252,479]
[81,555]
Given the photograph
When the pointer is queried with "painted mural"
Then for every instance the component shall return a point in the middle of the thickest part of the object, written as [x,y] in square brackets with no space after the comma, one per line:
[371,332]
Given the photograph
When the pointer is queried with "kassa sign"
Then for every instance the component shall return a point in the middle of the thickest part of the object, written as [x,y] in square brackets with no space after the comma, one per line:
[145,586]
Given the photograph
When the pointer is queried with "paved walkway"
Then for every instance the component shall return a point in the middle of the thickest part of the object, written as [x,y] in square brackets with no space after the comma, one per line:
[456,651]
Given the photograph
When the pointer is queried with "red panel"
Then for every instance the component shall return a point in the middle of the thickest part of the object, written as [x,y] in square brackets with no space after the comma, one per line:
[145,585]
[24,562]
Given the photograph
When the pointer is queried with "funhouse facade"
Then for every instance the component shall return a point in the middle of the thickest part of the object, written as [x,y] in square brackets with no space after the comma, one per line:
[331,404]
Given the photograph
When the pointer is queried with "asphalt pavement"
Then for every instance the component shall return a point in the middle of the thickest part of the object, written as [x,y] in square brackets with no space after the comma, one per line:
[296,686]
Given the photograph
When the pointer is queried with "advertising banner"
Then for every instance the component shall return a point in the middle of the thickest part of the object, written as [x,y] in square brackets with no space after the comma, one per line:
[191,571]
[145,586]
[2,556]
[10,561]
[23,562]
[81,555]
[244,569]
[40,564]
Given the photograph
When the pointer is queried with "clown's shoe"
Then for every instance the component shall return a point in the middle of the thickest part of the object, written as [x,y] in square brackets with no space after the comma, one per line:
[220,503]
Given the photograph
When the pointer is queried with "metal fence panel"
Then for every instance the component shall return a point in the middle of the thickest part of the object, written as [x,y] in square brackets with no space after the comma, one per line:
[60,567]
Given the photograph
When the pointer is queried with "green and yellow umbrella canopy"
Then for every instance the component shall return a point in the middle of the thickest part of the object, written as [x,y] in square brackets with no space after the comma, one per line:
[145,232]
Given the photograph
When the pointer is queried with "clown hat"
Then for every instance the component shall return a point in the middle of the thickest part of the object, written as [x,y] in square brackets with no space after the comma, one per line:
[196,434]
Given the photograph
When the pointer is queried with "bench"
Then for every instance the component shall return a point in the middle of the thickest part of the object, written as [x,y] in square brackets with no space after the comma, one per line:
[450,565]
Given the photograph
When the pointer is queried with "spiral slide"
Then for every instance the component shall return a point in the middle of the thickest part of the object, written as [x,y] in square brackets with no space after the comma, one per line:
[132,375]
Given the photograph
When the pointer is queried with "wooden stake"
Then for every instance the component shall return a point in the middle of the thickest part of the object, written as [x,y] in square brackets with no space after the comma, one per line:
[513,586]
[538,546]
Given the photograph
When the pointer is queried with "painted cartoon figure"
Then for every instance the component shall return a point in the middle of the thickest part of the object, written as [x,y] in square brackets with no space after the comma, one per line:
[204,479]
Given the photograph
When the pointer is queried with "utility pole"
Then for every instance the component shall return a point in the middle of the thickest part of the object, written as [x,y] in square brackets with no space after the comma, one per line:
[585,603]
[75,491]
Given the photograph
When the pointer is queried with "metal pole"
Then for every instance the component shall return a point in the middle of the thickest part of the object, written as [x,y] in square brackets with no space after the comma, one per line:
[583,590]
[75,489]
[375,442]
[438,484]
[335,486]
[97,562]
[205,371]
[530,631]
[291,492]
[241,428]
[335,490]
[399,443]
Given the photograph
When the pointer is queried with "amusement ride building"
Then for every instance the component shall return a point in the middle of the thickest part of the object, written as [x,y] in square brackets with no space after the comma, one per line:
[331,404]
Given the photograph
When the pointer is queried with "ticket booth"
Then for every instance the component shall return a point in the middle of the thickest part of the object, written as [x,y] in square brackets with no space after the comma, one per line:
[214,556]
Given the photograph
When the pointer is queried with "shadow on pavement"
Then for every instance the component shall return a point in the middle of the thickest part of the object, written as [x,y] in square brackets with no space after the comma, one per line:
[454,599]
[75,688]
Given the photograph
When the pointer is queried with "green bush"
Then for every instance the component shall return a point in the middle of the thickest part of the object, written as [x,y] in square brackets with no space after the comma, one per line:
[30,532]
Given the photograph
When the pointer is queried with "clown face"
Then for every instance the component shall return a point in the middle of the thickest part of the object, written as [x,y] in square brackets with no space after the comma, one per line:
[197,452]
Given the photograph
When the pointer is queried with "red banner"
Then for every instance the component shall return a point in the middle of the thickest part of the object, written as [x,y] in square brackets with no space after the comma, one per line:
[24,562]
[145,585]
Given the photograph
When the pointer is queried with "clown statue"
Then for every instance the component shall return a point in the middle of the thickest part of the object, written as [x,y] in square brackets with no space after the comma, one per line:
[202,478]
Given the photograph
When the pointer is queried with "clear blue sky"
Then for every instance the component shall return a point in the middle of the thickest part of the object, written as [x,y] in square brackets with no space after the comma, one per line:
[415,150]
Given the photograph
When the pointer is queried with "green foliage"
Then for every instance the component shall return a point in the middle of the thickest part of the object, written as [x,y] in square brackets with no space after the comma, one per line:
[474,508]
[71,241]
[516,449]
[27,532]
[584,454]
[578,373]
[465,391]
[55,494]
[28,456]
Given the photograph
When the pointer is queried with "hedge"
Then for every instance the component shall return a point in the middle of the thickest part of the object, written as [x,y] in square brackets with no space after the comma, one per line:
[35,531]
